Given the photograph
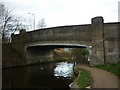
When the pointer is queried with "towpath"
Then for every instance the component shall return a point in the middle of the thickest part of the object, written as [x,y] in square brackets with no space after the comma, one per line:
[102,78]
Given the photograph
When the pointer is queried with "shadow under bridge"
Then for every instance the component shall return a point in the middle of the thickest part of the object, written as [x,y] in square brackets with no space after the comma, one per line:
[44,53]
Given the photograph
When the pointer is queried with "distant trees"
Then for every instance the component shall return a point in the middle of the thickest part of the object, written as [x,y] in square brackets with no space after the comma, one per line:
[80,54]
[41,24]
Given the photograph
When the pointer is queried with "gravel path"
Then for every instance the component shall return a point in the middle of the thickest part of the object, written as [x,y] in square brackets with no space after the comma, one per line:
[101,78]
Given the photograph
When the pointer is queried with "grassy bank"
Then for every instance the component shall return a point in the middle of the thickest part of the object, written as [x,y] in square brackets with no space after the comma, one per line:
[84,78]
[113,68]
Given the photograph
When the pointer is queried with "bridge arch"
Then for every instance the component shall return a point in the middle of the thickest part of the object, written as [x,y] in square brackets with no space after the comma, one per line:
[44,52]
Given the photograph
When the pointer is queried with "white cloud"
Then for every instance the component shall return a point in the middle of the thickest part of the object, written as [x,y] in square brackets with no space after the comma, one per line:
[66,12]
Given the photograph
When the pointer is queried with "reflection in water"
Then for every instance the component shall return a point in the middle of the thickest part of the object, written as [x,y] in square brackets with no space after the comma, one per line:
[43,75]
[63,69]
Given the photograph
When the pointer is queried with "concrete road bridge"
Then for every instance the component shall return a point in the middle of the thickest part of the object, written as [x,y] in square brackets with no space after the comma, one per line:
[101,39]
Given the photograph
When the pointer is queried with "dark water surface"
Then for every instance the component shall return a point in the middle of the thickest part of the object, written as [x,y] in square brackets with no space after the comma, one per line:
[45,75]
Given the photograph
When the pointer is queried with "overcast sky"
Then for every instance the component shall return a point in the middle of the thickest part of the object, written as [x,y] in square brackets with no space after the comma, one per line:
[65,12]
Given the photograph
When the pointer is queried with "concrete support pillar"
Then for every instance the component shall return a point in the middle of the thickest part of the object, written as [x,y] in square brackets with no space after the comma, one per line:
[97,41]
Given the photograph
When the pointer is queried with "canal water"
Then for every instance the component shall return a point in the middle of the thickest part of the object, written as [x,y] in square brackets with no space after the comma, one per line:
[45,75]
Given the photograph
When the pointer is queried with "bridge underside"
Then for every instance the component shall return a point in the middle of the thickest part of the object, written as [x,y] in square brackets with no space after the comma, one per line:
[35,54]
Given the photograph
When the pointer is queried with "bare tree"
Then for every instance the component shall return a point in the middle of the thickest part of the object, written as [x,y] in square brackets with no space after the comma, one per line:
[41,23]
[9,23]
[1,8]
[6,17]
[17,24]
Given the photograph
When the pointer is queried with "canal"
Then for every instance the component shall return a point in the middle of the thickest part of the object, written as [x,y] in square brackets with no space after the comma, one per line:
[45,75]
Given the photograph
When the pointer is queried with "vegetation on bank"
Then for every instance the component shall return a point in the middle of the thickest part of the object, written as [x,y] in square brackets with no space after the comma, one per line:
[80,55]
[8,52]
[67,59]
[113,68]
[84,78]
[10,57]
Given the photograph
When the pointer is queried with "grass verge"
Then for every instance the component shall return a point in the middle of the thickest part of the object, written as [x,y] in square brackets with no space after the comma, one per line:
[84,78]
[113,68]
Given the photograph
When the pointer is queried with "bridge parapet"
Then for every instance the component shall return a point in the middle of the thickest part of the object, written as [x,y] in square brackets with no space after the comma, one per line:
[64,33]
